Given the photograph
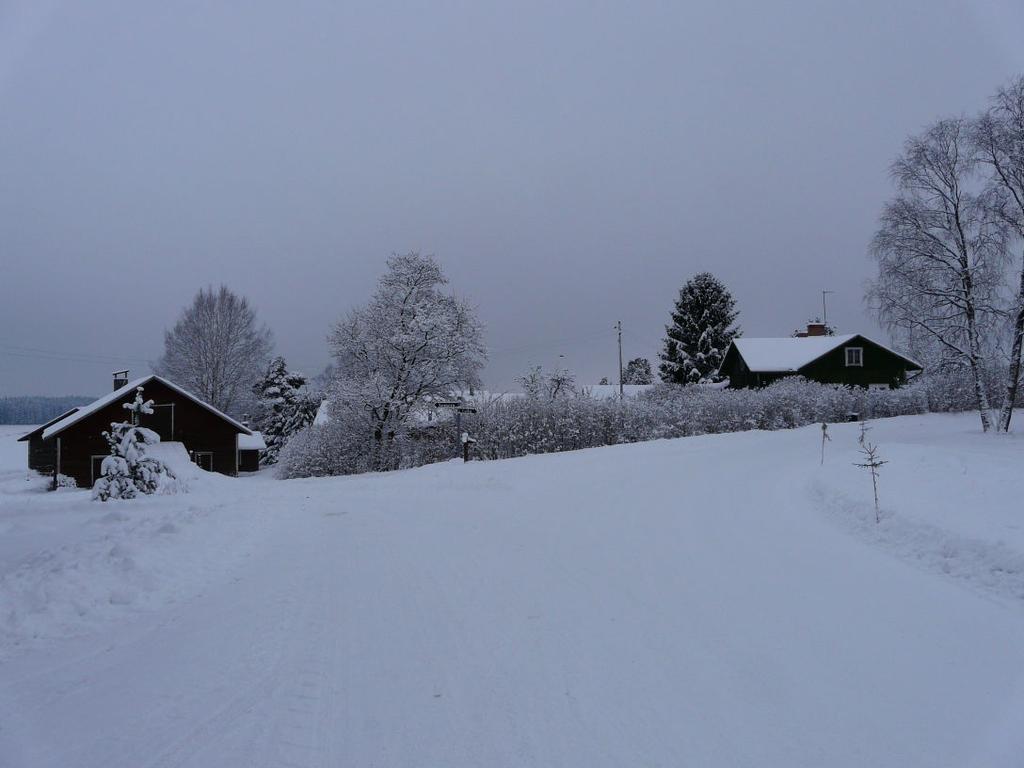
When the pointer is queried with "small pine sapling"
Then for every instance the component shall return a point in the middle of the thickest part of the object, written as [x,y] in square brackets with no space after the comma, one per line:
[824,439]
[872,461]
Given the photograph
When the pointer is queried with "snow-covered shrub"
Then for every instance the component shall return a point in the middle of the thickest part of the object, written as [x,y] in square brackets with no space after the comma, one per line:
[952,390]
[128,471]
[509,427]
[517,427]
[344,445]
[64,482]
[309,453]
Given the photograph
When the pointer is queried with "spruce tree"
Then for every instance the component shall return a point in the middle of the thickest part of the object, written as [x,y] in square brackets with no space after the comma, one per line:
[286,407]
[701,331]
[128,471]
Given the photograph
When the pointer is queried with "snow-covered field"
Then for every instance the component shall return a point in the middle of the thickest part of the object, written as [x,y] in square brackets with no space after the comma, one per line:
[711,601]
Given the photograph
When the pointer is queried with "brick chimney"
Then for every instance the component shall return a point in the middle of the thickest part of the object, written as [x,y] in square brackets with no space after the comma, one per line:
[120,379]
[816,329]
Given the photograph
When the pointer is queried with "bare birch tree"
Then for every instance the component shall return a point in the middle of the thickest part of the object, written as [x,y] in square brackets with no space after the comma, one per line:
[216,350]
[999,138]
[412,340]
[940,252]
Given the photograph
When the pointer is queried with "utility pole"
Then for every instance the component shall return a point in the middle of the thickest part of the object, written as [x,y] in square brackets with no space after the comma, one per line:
[618,326]
[824,308]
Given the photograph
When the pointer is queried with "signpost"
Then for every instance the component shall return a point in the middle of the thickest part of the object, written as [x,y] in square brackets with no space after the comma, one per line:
[460,408]
[466,442]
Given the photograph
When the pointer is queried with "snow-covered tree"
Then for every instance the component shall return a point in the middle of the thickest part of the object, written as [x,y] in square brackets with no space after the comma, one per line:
[999,139]
[285,407]
[561,384]
[703,326]
[638,371]
[128,471]
[412,340]
[539,385]
[216,349]
[941,252]
[533,382]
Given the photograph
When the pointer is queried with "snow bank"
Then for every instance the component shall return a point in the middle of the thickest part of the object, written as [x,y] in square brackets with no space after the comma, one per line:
[69,564]
[187,473]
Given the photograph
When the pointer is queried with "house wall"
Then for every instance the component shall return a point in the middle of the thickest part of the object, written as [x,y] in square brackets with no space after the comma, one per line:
[737,371]
[880,367]
[42,454]
[194,426]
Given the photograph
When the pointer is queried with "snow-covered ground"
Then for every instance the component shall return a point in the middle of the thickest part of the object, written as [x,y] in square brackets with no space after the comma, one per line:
[712,601]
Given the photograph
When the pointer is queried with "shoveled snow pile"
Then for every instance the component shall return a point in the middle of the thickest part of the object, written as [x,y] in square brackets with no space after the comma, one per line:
[722,600]
[187,474]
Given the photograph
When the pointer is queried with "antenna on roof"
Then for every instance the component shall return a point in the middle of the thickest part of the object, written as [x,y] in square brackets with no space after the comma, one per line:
[824,307]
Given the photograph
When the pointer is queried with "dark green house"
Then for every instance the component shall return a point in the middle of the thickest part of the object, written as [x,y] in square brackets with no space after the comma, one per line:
[851,359]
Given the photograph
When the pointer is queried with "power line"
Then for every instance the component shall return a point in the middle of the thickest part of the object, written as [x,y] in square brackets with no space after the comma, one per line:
[548,344]
[14,350]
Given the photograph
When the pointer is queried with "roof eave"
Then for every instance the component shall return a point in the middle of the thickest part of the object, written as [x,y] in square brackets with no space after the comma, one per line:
[43,427]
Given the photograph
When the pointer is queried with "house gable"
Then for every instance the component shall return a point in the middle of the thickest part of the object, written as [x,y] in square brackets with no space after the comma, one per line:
[873,364]
[178,416]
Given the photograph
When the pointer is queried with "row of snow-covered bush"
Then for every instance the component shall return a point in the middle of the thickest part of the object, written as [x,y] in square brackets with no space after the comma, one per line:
[517,427]
[505,428]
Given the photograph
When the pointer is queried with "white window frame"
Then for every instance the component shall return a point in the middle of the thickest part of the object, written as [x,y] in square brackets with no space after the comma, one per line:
[860,357]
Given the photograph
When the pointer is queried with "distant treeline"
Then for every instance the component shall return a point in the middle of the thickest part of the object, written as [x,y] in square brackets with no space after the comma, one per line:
[37,410]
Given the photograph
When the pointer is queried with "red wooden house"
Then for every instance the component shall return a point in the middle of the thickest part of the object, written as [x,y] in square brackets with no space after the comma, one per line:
[73,444]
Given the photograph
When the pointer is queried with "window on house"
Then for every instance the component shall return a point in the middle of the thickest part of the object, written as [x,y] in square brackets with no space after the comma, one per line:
[204,459]
[854,356]
[96,471]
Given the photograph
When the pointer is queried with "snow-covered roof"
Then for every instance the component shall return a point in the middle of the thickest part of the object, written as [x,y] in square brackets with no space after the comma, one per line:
[41,427]
[112,397]
[609,391]
[252,442]
[790,354]
[478,396]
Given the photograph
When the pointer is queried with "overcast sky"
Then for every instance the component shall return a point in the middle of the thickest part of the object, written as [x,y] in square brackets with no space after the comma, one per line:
[570,164]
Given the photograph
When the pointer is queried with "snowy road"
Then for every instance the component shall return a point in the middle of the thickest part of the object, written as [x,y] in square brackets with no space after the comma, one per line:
[670,603]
